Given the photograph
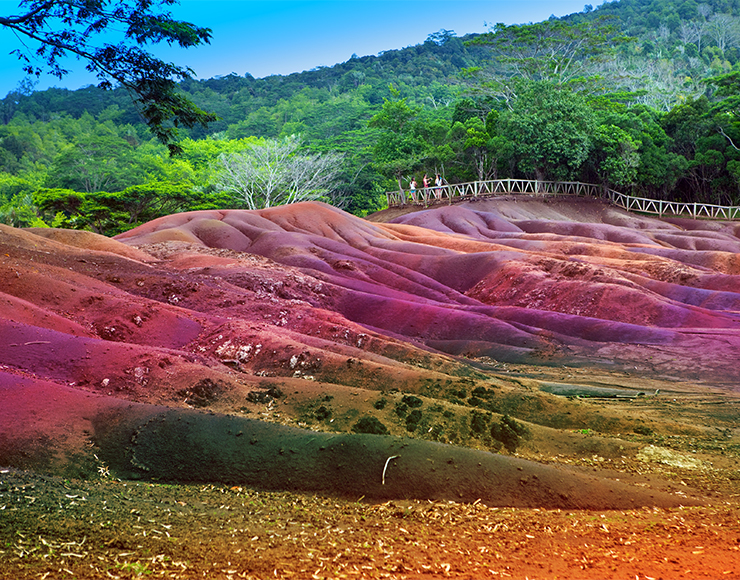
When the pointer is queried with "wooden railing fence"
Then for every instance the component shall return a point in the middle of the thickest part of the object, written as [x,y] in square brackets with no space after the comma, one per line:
[459,192]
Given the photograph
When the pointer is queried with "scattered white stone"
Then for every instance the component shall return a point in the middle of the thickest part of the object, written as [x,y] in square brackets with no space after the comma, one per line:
[653,454]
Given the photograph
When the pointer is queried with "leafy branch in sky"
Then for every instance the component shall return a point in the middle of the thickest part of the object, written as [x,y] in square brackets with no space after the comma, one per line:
[109,36]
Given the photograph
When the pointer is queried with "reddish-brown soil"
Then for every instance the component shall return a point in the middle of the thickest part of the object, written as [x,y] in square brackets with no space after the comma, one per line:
[556,381]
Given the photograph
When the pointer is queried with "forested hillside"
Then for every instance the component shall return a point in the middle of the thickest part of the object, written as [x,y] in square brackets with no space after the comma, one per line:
[638,95]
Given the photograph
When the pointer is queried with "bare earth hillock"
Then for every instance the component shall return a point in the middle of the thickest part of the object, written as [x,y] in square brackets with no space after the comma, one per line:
[459,352]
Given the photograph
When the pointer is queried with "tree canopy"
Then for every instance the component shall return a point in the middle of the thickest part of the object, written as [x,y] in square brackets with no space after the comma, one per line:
[553,50]
[274,172]
[654,117]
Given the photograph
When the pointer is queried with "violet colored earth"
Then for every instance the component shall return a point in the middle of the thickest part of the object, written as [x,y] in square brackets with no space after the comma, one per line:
[203,346]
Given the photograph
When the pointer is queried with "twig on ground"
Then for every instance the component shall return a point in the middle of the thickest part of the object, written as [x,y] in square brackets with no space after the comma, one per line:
[387,461]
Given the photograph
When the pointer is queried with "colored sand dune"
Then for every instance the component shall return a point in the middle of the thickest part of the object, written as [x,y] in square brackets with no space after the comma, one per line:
[113,342]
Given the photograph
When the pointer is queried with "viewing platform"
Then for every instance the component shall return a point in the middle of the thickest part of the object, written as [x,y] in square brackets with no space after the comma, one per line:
[475,190]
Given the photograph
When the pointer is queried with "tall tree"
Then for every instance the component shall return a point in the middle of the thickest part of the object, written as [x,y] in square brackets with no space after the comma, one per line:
[95,163]
[553,50]
[476,146]
[398,151]
[727,110]
[83,28]
[723,28]
[615,156]
[549,131]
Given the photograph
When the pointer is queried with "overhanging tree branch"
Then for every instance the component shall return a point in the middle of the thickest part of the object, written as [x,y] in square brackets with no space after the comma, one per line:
[726,136]
[77,27]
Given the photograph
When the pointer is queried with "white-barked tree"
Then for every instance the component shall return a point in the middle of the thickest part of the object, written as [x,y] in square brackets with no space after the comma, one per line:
[274,172]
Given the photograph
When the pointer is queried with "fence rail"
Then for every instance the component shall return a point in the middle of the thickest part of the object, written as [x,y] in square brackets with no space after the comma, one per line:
[459,192]
[662,207]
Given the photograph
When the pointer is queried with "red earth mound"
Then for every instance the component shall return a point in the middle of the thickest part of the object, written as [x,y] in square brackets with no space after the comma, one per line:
[509,279]
[106,345]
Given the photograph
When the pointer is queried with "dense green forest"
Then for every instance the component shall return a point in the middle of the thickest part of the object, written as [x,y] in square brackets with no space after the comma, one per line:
[637,95]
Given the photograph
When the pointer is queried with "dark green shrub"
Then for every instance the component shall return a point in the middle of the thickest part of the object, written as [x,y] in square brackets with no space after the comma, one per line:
[478,423]
[508,432]
[370,425]
[412,401]
[413,419]
[203,393]
[481,392]
[322,413]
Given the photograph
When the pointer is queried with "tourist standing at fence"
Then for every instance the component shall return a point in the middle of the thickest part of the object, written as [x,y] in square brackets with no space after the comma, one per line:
[438,183]
[412,189]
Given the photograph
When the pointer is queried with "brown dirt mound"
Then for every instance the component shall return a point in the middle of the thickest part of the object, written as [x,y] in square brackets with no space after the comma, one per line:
[90,241]
[330,319]
[580,274]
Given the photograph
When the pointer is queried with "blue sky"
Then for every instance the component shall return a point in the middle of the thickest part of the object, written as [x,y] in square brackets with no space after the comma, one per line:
[282,36]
